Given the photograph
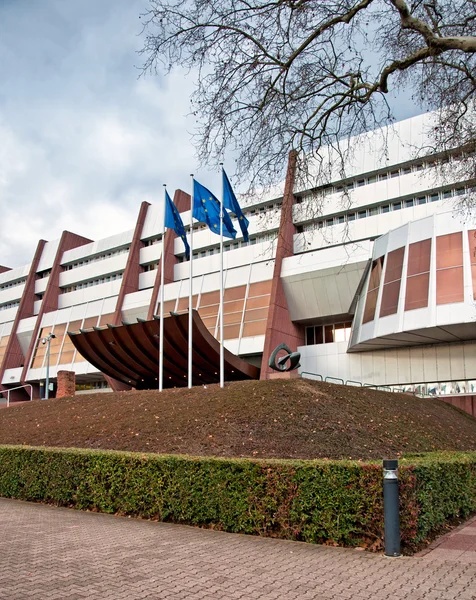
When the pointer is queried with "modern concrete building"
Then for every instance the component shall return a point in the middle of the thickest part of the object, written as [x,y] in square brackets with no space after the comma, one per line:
[372,278]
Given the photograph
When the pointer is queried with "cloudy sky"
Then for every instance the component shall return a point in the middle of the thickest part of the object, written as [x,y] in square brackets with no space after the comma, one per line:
[83,140]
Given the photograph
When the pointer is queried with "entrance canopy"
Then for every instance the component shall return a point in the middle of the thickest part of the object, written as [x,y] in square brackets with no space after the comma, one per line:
[130,353]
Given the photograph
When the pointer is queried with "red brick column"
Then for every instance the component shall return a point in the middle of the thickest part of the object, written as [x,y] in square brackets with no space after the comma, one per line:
[68,241]
[279,328]
[65,384]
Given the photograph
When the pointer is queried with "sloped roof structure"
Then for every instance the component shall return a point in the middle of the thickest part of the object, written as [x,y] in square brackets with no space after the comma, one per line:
[130,353]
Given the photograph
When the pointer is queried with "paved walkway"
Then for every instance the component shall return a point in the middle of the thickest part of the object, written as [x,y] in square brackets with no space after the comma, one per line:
[51,553]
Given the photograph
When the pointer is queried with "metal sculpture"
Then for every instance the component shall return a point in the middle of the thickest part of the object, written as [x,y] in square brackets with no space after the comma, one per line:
[280,363]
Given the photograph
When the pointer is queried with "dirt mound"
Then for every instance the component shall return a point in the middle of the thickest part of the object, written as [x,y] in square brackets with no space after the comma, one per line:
[274,419]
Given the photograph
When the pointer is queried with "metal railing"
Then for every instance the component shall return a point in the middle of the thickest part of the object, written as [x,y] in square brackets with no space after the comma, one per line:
[19,388]
[351,382]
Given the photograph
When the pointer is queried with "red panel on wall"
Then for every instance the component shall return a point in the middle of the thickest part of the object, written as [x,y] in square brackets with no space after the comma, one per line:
[418,275]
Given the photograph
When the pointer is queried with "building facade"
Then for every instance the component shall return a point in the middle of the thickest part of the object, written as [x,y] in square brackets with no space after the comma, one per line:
[372,277]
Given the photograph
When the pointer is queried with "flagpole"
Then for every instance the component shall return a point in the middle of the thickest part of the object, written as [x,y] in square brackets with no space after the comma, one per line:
[162,277]
[222,329]
[190,341]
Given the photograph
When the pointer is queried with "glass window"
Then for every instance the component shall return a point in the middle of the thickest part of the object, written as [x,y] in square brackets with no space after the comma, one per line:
[351,217]
[447,194]
[420,166]
[319,338]
[434,197]
[407,170]
[459,191]
[309,336]
[372,179]
[320,224]
[373,211]
[329,222]
[421,200]
[385,209]
[329,334]
[383,176]
[360,182]
[394,174]
[409,203]
[362,214]
[418,275]
[341,219]
[396,205]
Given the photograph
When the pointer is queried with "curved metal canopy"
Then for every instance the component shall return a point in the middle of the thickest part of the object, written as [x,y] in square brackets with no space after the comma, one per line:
[130,353]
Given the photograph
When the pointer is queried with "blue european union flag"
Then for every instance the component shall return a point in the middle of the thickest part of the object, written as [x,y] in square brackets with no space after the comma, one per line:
[173,220]
[231,203]
[206,209]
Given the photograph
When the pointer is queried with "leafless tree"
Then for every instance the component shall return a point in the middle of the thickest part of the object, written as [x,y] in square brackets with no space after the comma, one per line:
[278,75]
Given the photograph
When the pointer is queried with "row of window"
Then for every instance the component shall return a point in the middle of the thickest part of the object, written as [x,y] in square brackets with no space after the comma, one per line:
[92,282]
[328,334]
[326,190]
[256,239]
[8,305]
[93,385]
[386,207]
[87,261]
[153,241]
[11,284]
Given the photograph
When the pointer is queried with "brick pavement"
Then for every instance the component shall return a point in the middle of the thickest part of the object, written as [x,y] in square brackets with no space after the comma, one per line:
[49,553]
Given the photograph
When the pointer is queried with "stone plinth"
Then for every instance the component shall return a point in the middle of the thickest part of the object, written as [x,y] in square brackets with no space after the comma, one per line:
[284,375]
[66,384]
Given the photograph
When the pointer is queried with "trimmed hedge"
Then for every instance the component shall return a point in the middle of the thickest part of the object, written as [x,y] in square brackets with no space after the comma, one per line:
[314,501]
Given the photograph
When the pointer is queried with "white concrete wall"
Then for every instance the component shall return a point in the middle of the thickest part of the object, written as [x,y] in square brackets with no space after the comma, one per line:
[110,243]
[422,364]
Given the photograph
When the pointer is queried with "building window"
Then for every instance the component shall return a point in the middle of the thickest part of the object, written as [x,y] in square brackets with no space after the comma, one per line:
[391,284]
[418,275]
[328,334]
[372,292]
[449,268]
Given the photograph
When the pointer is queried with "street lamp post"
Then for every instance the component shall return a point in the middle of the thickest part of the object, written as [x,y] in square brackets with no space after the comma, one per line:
[47,340]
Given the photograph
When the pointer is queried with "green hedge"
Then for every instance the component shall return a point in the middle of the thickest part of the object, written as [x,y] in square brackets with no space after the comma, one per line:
[314,501]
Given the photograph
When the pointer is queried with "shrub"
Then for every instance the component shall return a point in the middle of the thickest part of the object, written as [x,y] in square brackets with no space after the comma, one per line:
[315,501]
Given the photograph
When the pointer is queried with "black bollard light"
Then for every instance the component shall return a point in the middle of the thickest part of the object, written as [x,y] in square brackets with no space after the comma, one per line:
[391,508]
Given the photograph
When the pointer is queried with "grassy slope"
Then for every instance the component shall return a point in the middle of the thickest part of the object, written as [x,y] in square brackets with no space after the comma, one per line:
[285,419]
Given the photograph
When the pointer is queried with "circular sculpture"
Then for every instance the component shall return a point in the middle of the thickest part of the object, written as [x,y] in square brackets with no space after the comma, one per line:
[280,364]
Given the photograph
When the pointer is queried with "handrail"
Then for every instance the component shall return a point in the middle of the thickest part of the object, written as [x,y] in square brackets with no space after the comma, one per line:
[313,374]
[352,382]
[19,388]
[332,379]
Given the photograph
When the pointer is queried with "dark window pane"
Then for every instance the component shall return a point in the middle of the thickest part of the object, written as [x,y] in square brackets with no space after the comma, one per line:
[370,304]
[391,292]
[309,336]
[318,334]
[329,333]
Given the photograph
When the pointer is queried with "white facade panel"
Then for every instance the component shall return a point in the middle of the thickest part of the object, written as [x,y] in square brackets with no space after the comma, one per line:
[14,274]
[8,314]
[150,254]
[153,222]
[89,294]
[48,256]
[93,270]
[12,293]
[40,285]
[147,279]
[91,249]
